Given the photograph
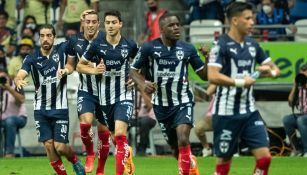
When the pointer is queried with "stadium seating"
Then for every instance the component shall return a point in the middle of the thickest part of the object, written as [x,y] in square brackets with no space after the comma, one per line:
[203,31]
[301,34]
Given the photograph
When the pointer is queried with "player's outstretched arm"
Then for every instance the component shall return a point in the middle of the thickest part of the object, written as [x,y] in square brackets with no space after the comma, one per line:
[143,86]
[69,68]
[19,79]
[86,67]
[217,78]
[269,69]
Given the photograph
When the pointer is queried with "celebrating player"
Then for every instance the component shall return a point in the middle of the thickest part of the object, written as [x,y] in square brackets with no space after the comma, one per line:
[48,69]
[88,100]
[167,59]
[231,63]
[116,98]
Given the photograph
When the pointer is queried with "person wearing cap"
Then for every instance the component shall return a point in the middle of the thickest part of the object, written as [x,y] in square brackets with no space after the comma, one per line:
[25,48]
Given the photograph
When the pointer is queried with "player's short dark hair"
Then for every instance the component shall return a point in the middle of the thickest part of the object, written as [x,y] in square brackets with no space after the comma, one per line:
[113,13]
[47,26]
[4,13]
[167,15]
[93,13]
[236,9]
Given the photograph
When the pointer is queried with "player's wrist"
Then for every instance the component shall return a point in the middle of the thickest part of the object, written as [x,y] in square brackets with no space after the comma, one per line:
[239,82]
[66,71]
[273,73]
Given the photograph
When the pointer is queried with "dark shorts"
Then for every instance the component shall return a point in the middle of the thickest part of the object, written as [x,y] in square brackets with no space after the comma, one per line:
[89,103]
[249,129]
[121,110]
[170,117]
[52,124]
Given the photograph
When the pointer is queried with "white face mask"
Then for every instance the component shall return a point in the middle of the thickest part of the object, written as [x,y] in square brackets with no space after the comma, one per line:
[267,9]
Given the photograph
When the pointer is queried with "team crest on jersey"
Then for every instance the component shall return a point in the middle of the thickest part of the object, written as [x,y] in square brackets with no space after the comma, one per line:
[179,54]
[124,53]
[252,51]
[56,57]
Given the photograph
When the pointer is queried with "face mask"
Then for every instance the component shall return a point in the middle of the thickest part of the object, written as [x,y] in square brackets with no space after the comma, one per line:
[267,9]
[153,9]
[31,26]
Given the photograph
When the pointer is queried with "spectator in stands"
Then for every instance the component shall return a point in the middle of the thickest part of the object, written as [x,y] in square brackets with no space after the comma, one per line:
[298,11]
[29,28]
[70,11]
[10,8]
[152,30]
[40,9]
[269,15]
[298,121]
[205,124]
[205,9]
[146,120]
[12,109]
[8,36]
[25,48]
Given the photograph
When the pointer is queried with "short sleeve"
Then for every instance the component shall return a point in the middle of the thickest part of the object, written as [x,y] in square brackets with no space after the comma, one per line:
[27,62]
[216,55]
[70,46]
[90,51]
[141,57]
[261,56]
[195,60]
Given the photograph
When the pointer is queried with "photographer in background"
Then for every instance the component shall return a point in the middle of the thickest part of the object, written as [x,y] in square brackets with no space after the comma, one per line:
[298,121]
[12,109]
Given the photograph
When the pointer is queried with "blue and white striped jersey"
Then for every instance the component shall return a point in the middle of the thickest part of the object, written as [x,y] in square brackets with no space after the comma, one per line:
[77,47]
[113,87]
[168,67]
[50,92]
[236,61]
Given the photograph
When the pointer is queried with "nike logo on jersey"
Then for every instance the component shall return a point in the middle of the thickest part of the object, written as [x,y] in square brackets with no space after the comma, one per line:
[233,50]
[158,54]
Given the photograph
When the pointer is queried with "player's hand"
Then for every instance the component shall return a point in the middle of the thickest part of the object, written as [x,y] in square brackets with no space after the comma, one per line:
[62,73]
[149,87]
[249,81]
[20,83]
[204,50]
[100,68]
[130,84]
[264,68]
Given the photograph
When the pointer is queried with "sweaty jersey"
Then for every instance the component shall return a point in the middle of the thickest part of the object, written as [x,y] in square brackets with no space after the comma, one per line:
[236,61]
[113,87]
[77,47]
[168,67]
[50,92]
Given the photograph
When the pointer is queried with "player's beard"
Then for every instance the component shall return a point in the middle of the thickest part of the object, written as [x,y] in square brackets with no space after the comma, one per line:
[46,46]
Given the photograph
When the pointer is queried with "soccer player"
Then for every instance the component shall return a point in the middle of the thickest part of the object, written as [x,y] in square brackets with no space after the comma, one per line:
[116,98]
[167,59]
[88,100]
[231,63]
[48,69]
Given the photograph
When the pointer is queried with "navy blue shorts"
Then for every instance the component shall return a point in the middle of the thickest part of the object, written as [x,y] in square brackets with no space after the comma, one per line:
[52,124]
[170,117]
[89,103]
[249,129]
[121,110]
